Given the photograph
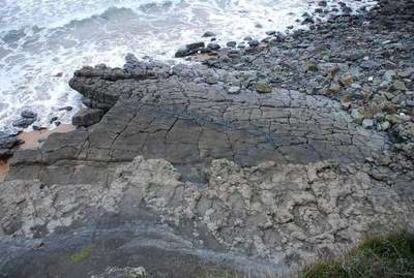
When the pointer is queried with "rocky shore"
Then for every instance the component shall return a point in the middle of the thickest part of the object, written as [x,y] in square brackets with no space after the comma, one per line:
[256,160]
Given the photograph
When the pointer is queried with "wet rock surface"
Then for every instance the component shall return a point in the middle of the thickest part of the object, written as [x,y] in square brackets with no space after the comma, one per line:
[256,161]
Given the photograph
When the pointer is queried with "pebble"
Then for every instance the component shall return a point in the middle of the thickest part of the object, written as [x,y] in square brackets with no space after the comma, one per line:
[389,76]
[253,43]
[399,85]
[367,123]
[66,108]
[234,90]
[231,44]
[356,115]
[263,88]
[384,126]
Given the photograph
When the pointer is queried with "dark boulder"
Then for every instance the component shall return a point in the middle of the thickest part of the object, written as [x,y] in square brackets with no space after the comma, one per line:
[189,49]
[24,122]
[9,142]
[208,34]
[27,114]
[253,43]
[87,117]
[231,44]
[213,46]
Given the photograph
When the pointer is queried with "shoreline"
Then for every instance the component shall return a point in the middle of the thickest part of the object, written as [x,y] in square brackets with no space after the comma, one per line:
[35,139]
[316,14]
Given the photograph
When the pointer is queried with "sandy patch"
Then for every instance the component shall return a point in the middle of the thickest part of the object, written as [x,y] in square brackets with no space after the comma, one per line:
[4,168]
[34,139]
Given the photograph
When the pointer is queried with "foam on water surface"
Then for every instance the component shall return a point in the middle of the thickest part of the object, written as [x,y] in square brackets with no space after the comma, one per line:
[43,42]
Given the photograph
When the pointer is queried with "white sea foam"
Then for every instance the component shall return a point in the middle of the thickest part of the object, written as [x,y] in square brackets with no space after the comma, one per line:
[43,42]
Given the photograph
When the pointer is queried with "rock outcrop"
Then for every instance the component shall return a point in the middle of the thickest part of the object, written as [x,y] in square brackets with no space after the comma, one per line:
[282,213]
[179,115]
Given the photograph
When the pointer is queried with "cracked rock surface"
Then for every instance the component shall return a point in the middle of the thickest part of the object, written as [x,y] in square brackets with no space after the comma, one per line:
[176,115]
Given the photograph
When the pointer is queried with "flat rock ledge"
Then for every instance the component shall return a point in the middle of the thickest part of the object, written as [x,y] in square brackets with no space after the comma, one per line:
[243,164]
[177,114]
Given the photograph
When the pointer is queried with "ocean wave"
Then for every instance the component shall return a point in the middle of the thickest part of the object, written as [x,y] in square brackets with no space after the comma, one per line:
[15,15]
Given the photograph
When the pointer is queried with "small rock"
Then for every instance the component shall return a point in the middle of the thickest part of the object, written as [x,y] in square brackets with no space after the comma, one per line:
[195,45]
[233,90]
[253,43]
[388,95]
[356,115]
[384,126]
[322,3]
[208,34]
[233,53]
[9,142]
[334,89]
[36,127]
[189,49]
[311,67]
[66,108]
[308,20]
[263,88]
[138,272]
[367,123]
[87,117]
[389,76]
[369,65]
[231,44]
[346,80]
[27,114]
[346,105]
[24,123]
[241,45]
[182,52]
[406,73]
[356,86]
[399,85]
[211,79]
[213,46]
[273,42]
[38,244]
[53,119]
